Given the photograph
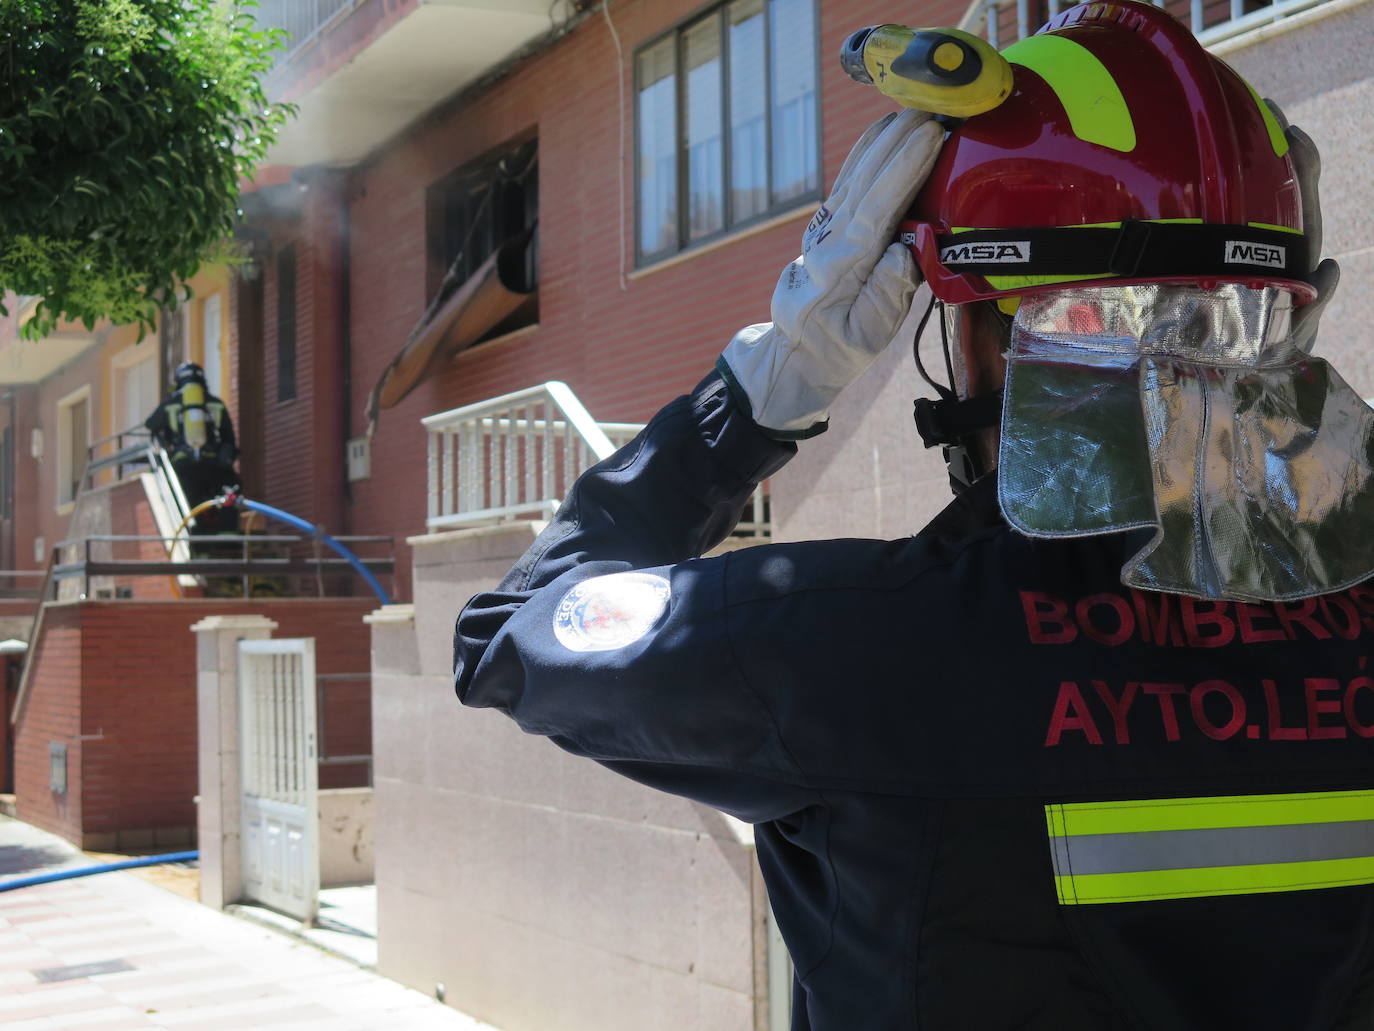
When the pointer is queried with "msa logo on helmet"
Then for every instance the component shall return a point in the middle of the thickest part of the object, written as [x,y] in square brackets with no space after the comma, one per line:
[986,253]
[1239,252]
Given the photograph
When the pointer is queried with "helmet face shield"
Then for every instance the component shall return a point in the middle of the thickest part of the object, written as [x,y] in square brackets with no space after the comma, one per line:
[1190,412]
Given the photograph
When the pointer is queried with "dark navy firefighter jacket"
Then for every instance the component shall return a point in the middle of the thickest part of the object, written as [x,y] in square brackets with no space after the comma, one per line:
[993,788]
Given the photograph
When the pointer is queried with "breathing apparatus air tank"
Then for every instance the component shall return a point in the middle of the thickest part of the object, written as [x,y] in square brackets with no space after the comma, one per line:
[193,415]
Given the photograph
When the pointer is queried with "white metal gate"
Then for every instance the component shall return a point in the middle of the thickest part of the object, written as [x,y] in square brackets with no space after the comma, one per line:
[280,818]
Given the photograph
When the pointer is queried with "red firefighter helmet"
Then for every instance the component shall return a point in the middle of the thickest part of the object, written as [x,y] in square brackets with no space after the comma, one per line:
[1125,153]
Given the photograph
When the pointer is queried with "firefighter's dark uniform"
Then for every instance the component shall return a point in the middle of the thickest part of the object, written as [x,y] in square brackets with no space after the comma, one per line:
[926,731]
[206,474]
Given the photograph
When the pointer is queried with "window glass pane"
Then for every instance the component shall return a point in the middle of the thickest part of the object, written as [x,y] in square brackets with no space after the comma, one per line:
[705,186]
[657,149]
[748,124]
[793,40]
[73,462]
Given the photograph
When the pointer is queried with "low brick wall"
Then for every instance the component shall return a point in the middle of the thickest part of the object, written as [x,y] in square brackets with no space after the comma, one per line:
[115,682]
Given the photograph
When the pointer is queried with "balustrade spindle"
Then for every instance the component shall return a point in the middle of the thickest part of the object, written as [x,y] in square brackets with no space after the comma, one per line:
[468,444]
[546,465]
[569,462]
[511,478]
[445,471]
[527,456]
[432,466]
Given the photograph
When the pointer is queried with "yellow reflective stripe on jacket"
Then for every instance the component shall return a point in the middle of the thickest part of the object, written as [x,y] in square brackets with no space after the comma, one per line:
[1173,848]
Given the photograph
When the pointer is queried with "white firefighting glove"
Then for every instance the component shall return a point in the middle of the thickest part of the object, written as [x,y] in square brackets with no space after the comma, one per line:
[1307,163]
[841,302]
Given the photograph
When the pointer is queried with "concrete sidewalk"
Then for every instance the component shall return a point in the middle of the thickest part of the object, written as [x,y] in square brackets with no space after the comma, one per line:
[113,951]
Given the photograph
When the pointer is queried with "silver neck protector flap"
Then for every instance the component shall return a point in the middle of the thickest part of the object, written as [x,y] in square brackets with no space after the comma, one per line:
[1189,411]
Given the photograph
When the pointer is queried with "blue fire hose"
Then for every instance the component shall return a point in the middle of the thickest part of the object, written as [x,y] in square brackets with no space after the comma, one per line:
[301,524]
[87,871]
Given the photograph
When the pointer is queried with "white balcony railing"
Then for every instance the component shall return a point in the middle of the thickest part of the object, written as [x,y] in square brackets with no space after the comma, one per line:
[1004,22]
[515,456]
[301,19]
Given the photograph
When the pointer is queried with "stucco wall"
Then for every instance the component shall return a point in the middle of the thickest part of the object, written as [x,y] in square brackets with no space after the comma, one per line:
[1321,74]
[346,836]
[868,475]
[541,890]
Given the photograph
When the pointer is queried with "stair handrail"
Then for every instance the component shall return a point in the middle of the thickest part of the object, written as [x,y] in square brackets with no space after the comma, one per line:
[35,633]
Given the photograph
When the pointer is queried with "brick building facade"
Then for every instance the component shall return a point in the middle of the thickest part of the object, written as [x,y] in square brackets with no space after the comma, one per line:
[496,854]
[624,336]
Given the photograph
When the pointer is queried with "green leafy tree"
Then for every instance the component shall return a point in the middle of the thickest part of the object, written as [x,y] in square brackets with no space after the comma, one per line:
[125,126]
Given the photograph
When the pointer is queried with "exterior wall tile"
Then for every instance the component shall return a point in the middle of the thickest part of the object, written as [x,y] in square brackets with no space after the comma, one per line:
[447,573]
[487,827]
[722,870]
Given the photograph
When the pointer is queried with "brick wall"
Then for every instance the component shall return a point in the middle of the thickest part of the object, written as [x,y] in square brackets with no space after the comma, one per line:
[117,682]
[132,515]
[53,714]
[623,351]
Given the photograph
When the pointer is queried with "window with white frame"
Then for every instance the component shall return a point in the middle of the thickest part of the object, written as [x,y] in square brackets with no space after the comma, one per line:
[136,391]
[73,443]
[726,124]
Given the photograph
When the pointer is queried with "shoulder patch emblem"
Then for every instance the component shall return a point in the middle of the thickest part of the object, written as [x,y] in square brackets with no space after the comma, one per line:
[610,612]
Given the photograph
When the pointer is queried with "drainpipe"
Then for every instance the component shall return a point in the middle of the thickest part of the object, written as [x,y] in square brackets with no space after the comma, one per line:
[12,464]
[346,345]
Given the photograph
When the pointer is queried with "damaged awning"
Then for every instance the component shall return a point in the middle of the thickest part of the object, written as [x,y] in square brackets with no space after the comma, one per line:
[458,317]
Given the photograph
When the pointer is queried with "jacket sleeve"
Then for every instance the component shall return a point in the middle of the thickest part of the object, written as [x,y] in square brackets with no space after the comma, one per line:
[157,423]
[610,637]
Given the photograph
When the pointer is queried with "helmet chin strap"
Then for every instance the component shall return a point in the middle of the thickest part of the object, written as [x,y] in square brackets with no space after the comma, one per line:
[949,422]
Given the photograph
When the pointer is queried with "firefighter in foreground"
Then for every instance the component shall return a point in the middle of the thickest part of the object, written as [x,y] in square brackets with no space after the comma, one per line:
[1092,750]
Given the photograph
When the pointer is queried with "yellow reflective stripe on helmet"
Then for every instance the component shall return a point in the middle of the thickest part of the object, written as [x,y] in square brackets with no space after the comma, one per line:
[1277,139]
[1274,228]
[1172,848]
[1026,282]
[1097,111]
